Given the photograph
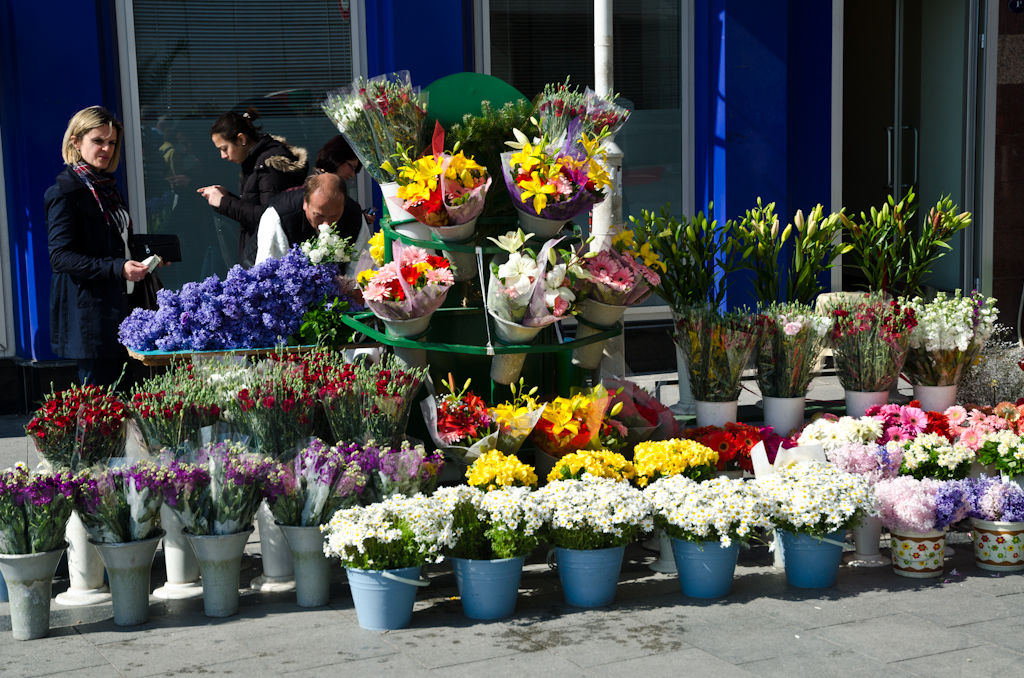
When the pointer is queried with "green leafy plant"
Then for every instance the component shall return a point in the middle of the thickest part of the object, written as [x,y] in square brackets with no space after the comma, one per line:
[322,325]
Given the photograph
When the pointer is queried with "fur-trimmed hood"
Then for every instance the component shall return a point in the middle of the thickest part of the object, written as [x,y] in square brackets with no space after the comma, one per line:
[274,152]
[283,163]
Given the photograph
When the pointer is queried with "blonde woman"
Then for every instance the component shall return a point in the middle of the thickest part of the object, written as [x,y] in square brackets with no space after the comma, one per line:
[90,236]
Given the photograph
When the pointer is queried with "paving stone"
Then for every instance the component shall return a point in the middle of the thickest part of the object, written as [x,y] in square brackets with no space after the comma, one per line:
[395,665]
[808,612]
[983,660]
[184,651]
[542,663]
[103,671]
[1005,633]
[951,605]
[688,662]
[310,645]
[47,656]
[820,659]
[462,641]
[897,637]
[736,633]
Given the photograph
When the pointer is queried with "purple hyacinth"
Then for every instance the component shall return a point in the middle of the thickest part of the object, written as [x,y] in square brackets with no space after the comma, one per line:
[951,503]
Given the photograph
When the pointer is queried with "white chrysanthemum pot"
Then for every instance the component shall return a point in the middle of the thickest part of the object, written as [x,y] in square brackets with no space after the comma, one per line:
[716,414]
[129,566]
[918,555]
[784,414]
[935,398]
[857,402]
[278,572]
[866,537]
[389,189]
[180,562]
[29,585]
[604,316]
[998,546]
[506,367]
[406,329]
[312,567]
[85,569]
[539,226]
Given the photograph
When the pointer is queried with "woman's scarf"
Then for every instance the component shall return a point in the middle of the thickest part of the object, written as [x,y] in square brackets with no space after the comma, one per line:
[104,189]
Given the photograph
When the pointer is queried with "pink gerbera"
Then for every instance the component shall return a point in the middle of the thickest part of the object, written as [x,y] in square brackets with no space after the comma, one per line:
[956,415]
[440,276]
[560,307]
[413,255]
[913,419]
[602,268]
[897,435]
[376,292]
[622,279]
[386,274]
[649,275]
[977,417]
[971,438]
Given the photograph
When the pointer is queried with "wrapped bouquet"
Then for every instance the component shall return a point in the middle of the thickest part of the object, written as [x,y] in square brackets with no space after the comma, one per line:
[79,427]
[35,509]
[644,417]
[948,337]
[716,347]
[403,470]
[122,504]
[306,491]
[517,417]
[171,408]
[870,339]
[872,462]
[571,424]
[385,393]
[460,422]
[790,341]
[410,287]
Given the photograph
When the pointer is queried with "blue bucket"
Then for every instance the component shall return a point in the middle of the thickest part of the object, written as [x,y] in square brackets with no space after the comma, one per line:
[810,563]
[488,588]
[589,578]
[705,570]
[3,589]
[382,603]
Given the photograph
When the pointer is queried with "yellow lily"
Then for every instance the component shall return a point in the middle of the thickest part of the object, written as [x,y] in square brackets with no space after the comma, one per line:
[536,188]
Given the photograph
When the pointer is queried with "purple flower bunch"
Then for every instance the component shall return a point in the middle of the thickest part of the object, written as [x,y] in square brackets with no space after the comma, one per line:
[995,500]
[122,504]
[34,509]
[406,470]
[874,462]
[319,481]
[906,504]
[251,308]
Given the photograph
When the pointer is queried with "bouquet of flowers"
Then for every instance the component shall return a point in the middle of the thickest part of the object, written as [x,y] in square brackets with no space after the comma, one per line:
[517,417]
[494,469]
[834,432]
[412,286]
[440,190]
[278,408]
[385,392]
[122,504]
[502,523]
[404,470]
[815,499]
[79,427]
[931,455]
[643,416]
[791,338]
[327,247]
[556,179]
[615,277]
[378,115]
[592,513]
[254,308]
[974,426]
[1012,414]
[559,104]
[340,400]
[171,408]
[719,510]
[571,424]
[675,457]
[907,504]
[1003,450]
[948,337]
[306,491]
[395,533]
[993,500]
[905,422]
[220,492]
[716,347]
[597,463]
[460,422]
[532,289]
[870,461]
[870,339]
[732,443]
[35,509]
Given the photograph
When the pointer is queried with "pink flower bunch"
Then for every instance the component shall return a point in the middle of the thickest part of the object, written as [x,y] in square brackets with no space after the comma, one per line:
[618,279]
[973,426]
[906,504]
[903,423]
[874,462]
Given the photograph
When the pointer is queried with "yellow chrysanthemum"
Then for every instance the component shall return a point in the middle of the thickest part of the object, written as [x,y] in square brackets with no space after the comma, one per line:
[494,469]
[660,458]
[600,463]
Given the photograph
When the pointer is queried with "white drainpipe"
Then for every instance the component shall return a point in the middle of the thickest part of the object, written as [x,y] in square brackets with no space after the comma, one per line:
[609,212]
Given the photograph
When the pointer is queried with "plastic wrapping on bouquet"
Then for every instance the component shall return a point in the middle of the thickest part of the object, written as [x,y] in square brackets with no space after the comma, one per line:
[601,318]
[935,398]
[505,367]
[414,329]
[539,226]
[389,189]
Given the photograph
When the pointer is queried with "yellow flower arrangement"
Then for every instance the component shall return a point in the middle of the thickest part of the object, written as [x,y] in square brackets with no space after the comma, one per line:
[661,458]
[376,244]
[494,469]
[512,414]
[539,169]
[600,463]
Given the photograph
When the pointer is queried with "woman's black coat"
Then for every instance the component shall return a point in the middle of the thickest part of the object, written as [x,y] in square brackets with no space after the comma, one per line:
[87,291]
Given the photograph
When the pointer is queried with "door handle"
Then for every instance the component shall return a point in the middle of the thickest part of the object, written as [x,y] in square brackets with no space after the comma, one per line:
[889,156]
[916,150]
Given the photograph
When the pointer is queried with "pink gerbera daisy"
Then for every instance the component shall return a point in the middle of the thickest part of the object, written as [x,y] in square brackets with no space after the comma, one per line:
[622,279]
[971,438]
[913,419]
[440,276]
[376,292]
[413,255]
[956,415]
[897,435]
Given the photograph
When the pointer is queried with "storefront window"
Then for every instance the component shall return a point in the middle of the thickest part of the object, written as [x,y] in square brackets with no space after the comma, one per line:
[197,60]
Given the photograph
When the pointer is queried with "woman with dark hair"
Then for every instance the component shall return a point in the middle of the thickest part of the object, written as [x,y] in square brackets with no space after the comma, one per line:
[89,235]
[269,166]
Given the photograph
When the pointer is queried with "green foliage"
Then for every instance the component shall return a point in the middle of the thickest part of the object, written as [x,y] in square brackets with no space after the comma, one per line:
[322,325]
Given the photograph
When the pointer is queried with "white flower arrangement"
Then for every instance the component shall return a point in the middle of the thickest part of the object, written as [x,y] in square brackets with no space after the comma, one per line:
[833,434]
[815,499]
[327,247]
[500,523]
[720,510]
[397,532]
[592,513]
[931,455]
[950,333]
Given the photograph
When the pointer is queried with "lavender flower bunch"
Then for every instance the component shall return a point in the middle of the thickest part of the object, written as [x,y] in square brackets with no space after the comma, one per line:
[121,505]
[220,492]
[994,500]
[308,490]
[873,462]
[34,509]
[253,308]
[405,470]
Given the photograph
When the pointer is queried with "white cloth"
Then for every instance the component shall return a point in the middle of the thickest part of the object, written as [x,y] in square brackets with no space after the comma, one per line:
[270,238]
[122,219]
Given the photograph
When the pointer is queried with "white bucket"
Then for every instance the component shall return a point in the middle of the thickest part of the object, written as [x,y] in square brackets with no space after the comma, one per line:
[935,398]
[784,414]
[602,315]
[539,226]
[716,414]
[857,402]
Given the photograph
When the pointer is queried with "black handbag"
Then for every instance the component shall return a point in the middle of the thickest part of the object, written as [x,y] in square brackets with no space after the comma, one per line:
[164,245]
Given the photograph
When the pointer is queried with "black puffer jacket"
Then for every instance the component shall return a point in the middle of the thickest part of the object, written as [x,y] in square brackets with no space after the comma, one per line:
[271,167]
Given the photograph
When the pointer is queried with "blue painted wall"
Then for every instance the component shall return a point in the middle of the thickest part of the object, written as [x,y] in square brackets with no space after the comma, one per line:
[43,84]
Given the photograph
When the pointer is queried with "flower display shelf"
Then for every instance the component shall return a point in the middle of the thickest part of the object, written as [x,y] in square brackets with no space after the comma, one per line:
[162,358]
[573,235]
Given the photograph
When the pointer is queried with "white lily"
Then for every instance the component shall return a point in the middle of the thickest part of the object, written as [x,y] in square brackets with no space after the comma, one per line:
[512,241]
[518,272]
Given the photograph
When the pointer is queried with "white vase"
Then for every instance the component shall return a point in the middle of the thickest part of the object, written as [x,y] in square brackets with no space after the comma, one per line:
[220,561]
[666,562]
[857,402]
[389,189]
[918,555]
[30,585]
[716,414]
[539,226]
[278,573]
[505,367]
[998,546]
[604,316]
[129,565]
[935,398]
[409,329]
[180,562]
[85,569]
[312,567]
[784,414]
[866,537]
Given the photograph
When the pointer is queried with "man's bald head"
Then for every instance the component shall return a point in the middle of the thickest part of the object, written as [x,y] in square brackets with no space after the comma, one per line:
[324,201]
